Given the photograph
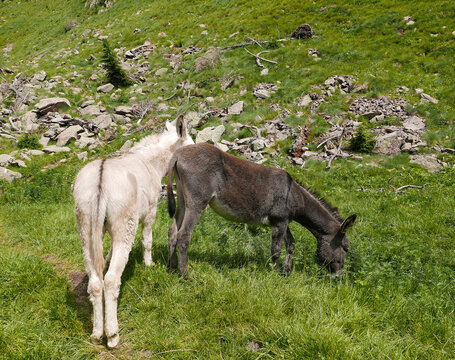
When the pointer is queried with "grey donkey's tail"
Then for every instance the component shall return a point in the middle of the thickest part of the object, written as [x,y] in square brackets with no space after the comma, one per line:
[170,193]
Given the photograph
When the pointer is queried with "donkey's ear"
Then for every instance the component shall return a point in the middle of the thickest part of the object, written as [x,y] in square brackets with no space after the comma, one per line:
[348,223]
[180,126]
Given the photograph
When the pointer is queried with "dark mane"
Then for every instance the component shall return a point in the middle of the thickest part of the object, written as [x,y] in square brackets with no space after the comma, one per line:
[323,202]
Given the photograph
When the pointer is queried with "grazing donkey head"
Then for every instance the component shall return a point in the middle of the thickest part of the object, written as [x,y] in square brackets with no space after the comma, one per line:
[333,251]
[115,195]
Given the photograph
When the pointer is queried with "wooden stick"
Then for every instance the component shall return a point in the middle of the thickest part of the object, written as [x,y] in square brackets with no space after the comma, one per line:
[329,164]
[404,187]
[260,58]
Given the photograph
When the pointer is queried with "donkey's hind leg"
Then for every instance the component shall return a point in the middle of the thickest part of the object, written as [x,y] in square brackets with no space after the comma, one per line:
[147,235]
[278,233]
[95,284]
[123,233]
[172,234]
[290,247]
[189,222]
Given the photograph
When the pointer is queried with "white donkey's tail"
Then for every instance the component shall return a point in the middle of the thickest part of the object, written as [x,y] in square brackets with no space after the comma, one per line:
[97,218]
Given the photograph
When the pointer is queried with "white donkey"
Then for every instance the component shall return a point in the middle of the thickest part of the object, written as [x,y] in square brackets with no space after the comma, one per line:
[116,194]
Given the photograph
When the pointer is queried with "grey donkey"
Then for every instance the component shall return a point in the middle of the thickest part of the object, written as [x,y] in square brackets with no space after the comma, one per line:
[246,192]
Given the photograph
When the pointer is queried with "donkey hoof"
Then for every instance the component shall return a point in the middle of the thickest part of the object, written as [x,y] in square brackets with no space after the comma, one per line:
[96,340]
[113,342]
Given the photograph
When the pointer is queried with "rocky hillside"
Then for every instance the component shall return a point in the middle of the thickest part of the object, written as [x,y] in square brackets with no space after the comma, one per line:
[256,93]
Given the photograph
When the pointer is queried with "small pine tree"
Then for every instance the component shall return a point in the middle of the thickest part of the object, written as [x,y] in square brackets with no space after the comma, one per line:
[115,74]
[362,140]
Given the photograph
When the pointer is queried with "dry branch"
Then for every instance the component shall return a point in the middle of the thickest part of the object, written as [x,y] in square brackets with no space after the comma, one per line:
[329,164]
[258,58]
[404,187]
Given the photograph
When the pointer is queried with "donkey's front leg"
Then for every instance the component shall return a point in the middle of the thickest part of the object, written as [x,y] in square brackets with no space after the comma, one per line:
[278,233]
[290,246]
[147,235]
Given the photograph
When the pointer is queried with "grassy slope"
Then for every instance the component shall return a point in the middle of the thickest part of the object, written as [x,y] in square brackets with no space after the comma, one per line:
[396,301]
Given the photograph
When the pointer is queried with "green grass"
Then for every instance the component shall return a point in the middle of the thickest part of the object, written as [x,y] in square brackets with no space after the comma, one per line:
[396,300]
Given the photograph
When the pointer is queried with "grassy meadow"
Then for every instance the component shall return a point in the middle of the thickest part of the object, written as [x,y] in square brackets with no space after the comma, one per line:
[396,300]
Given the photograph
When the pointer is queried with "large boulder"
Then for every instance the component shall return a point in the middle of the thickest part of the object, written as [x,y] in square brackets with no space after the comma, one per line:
[51,104]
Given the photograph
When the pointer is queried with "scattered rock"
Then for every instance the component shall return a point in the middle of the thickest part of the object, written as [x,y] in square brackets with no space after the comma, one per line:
[103,121]
[8,174]
[51,104]
[304,101]
[303,32]
[425,98]
[414,123]
[123,110]
[236,109]
[428,161]
[105,88]
[210,134]
[91,110]
[40,76]
[56,149]
[371,107]
[69,133]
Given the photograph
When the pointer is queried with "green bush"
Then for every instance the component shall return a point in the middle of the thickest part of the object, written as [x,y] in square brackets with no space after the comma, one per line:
[363,140]
[28,141]
[115,74]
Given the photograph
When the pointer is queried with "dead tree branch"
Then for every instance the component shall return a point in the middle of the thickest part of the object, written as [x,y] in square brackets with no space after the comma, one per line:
[329,164]
[404,187]
[259,58]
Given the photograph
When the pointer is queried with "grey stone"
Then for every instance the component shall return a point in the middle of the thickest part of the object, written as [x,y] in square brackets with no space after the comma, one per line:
[87,103]
[103,121]
[424,98]
[105,88]
[8,174]
[40,76]
[258,144]
[69,133]
[85,141]
[82,155]
[222,147]
[123,110]
[235,109]
[193,119]
[304,101]
[126,146]
[414,123]
[210,134]
[389,144]
[91,110]
[6,160]
[262,93]
[51,104]
[29,121]
[34,152]
[161,72]
[428,161]
[56,149]
[44,140]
